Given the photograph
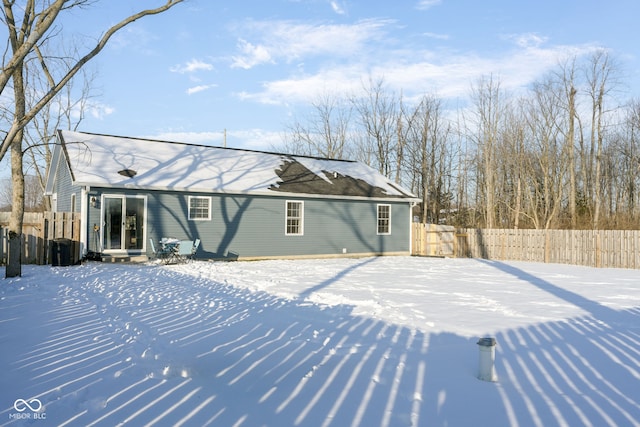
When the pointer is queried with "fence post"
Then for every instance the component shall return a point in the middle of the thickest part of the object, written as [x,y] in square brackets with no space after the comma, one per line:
[3,239]
[40,258]
[46,232]
[547,247]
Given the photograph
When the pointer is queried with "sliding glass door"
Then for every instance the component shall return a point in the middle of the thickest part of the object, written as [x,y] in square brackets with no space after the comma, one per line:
[124,220]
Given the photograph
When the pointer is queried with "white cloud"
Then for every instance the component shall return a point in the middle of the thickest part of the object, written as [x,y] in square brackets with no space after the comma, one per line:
[415,73]
[251,55]
[253,139]
[132,37]
[200,88]
[427,4]
[437,36]
[308,88]
[100,111]
[191,67]
[527,40]
[338,8]
[289,41]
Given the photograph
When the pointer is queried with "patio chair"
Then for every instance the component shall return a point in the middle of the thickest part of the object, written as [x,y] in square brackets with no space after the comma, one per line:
[161,253]
[194,249]
[184,251]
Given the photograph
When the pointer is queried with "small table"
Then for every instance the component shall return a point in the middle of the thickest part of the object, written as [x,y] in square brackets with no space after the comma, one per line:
[170,247]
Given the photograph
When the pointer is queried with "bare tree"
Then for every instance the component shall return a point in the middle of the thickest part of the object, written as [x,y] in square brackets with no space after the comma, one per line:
[485,122]
[547,165]
[631,157]
[560,155]
[514,162]
[325,132]
[567,101]
[601,79]
[378,112]
[26,34]
[65,111]
[5,194]
[401,142]
[621,169]
[428,134]
[33,194]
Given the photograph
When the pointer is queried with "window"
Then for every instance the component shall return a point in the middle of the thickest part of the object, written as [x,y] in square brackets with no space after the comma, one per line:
[199,208]
[294,219]
[384,219]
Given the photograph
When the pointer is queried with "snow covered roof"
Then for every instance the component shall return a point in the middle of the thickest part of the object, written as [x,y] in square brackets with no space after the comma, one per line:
[122,162]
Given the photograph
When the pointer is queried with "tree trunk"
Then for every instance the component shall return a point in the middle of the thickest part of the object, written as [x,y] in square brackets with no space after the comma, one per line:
[14,259]
[518,208]
[573,199]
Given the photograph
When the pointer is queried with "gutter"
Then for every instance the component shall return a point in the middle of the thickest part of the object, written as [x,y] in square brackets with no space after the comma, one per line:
[409,198]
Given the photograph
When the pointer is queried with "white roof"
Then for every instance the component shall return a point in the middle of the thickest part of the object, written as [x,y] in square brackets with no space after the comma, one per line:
[102,160]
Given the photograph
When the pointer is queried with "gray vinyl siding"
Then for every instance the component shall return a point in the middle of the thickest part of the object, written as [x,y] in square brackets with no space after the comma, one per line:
[254,226]
[64,189]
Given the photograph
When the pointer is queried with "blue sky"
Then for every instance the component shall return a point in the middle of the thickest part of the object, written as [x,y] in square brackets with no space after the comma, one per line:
[251,66]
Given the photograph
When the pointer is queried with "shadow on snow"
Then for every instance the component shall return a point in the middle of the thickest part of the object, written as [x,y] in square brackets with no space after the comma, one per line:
[210,354]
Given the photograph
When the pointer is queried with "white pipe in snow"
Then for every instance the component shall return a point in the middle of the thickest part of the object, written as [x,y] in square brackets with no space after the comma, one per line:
[487,347]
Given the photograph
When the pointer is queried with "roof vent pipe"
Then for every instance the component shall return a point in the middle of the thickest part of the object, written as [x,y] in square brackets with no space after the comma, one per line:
[128,173]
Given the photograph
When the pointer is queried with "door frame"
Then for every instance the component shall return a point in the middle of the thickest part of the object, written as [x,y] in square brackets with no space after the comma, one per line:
[123,198]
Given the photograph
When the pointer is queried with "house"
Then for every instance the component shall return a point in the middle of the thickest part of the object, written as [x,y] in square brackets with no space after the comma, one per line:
[242,204]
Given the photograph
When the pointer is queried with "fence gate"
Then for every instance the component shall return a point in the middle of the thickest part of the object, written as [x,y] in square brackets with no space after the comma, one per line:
[433,240]
[462,249]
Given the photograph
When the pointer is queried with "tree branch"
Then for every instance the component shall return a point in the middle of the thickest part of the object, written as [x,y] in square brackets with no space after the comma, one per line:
[22,122]
[44,22]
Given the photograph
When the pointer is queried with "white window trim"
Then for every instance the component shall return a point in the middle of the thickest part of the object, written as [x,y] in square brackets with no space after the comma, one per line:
[286,218]
[378,220]
[208,218]
[124,197]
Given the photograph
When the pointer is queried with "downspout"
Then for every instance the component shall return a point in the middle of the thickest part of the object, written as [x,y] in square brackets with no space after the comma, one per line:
[84,219]
[411,206]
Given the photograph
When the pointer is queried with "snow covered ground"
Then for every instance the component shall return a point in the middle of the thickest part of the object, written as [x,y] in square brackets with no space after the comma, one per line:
[344,342]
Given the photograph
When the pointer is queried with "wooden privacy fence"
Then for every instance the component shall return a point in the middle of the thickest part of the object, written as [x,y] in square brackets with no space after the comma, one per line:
[433,240]
[38,231]
[594,248]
